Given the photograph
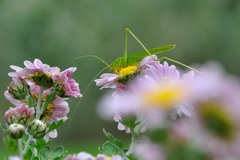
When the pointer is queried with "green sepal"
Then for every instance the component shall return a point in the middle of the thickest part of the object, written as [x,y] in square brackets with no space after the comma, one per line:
[31,101]
[130,122]
[135,58]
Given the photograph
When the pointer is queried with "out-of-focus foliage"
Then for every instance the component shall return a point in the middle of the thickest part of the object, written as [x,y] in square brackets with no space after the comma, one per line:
[58,31]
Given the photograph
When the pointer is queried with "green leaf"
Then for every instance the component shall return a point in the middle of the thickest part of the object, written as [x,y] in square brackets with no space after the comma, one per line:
[52,154]
[50,98]
[110,149]
[29,154]
[11,144]
[135,58]
[114,140]
[55,125]
[31,102]
[4,128]
[40,143]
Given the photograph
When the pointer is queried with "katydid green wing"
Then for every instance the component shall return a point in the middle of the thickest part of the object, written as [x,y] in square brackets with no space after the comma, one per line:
[135,58]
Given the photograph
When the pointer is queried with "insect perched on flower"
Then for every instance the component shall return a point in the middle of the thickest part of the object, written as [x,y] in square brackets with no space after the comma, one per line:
[126,68]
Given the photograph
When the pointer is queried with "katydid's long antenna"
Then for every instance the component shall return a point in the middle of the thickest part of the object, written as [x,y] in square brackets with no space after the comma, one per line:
[125,49]
[182,64]
[84,92]
[85,56]
[138,41]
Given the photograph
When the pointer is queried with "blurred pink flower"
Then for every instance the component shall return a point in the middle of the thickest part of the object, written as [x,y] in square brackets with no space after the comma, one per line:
[14,158]
[146,150]
[122,77]
[103,157]
[87,156]
[217,121]
[66,85]
[170,87]
[156,94]
[20,114]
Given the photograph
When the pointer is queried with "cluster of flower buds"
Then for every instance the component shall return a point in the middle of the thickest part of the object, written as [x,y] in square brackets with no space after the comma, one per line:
[39,93]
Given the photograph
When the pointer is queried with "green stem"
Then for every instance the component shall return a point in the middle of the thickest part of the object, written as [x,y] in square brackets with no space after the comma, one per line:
[26,145]
[38,109]
[20,148]
[133,142]
[38,115]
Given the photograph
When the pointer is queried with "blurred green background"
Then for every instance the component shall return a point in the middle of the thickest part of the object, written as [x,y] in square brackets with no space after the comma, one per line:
[58,31]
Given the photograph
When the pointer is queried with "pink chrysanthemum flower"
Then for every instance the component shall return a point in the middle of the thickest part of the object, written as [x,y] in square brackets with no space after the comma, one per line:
[56,111]
[121,77]
[20,114]
[167,88]
[158,93]
[66,85]
[37,72]
[217,122]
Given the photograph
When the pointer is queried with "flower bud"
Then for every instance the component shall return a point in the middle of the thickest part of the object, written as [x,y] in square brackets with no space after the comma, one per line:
[19,114]
[37,128]
[16,130]
[18,88]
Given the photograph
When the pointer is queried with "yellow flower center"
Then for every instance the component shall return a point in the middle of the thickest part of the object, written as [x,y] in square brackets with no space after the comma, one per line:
[107,158]
[127,71]
[48,111]
[165,96]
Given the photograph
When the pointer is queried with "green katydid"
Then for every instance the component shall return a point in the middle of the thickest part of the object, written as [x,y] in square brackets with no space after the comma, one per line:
[130,59]
[135,58]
